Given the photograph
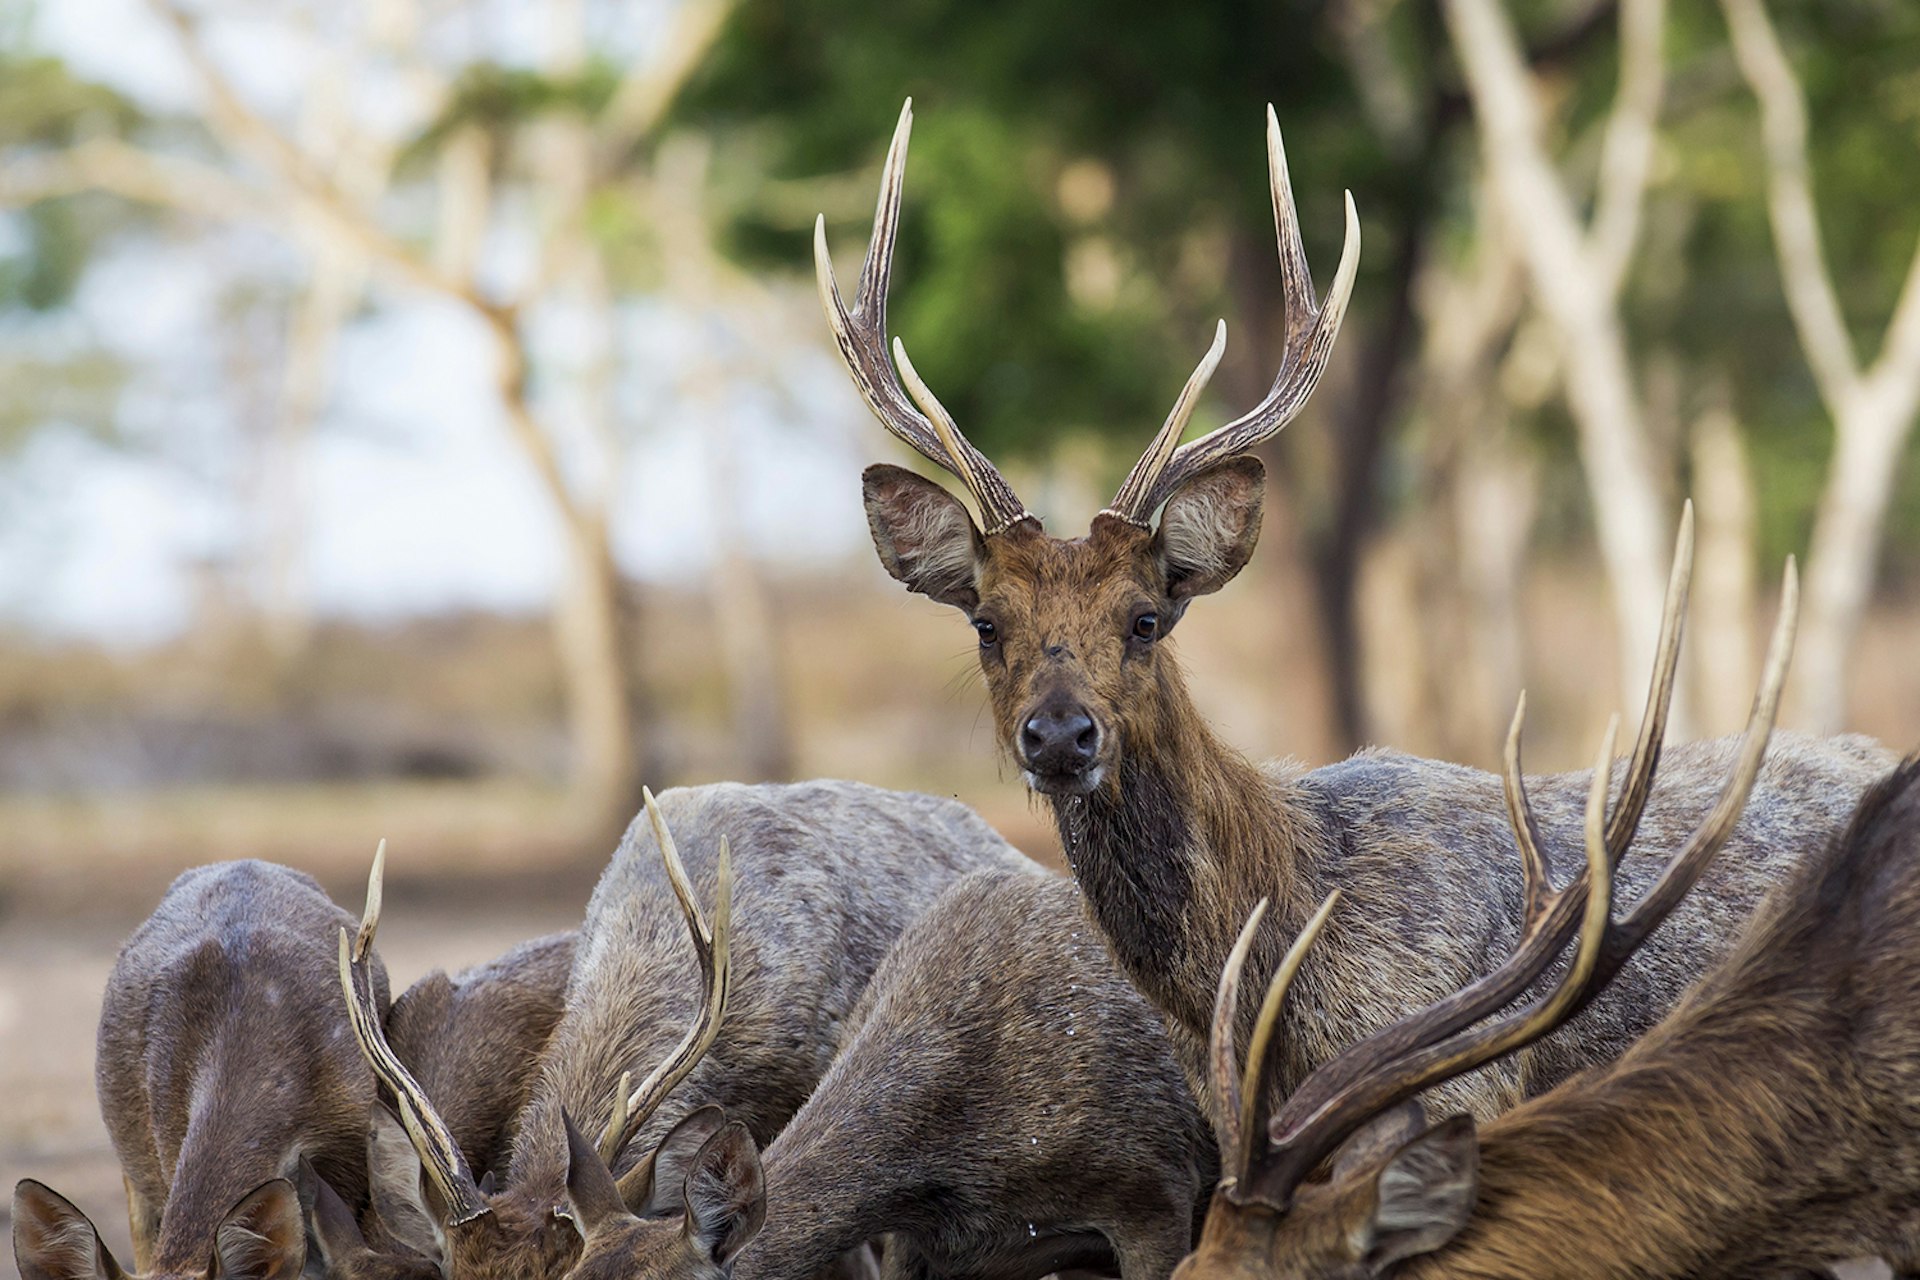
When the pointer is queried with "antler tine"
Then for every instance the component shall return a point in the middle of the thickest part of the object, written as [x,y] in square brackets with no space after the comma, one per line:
[1686,867]
[1253,1098]
[1536,864]
[1228,1125]
[1666,665]
[1605,946]
[1311,330]
[440,1155]
[1301,1145]
[1128,500]
[861,335]
[712,948]
[1549,918]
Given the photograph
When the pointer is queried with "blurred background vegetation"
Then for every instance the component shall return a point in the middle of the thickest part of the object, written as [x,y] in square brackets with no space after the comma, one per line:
[416,418]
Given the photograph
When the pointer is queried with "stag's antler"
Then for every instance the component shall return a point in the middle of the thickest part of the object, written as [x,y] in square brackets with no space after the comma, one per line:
[1549,920]
[861,335]
[1440,1042]
[712,948]
[1311,331]
[440,1155]
[1238,1098]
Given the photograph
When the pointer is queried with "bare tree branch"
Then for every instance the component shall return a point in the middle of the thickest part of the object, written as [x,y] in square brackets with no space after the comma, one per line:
[1571,287]
[649,87]
[1626,155]
[1872,410]
[1796,224]
[252,135]
[116,167]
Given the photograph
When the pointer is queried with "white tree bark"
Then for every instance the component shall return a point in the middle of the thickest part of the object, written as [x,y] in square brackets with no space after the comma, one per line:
[1575,277]
[1722,666]
[1872,408]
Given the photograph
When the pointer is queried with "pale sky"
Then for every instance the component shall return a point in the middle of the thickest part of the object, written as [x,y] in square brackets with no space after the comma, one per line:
[418,500]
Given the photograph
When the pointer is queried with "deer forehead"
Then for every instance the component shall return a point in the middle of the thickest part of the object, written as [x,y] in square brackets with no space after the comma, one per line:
[1047,579]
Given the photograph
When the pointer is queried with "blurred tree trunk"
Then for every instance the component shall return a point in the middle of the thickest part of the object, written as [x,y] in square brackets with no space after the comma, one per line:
[594,615]
[1576,275]
[1479,489]
[1724,674]
[337,275]
[594,626]
[1872,409]
[737,589]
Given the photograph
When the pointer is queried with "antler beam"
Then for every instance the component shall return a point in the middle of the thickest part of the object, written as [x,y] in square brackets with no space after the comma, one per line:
[1310,333]
[861,335]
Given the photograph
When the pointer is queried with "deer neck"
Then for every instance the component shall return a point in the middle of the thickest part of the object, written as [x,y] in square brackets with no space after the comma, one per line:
[822,1200]
[1701,1176]
[1174,851]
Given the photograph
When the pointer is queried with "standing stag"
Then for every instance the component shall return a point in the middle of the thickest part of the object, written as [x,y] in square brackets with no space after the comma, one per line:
[1771,1123]
[824,876]
[1171,832]
[1006,1107]
[227,1077]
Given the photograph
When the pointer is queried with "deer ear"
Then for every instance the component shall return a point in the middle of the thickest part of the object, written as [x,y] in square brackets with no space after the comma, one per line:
[1379,1138]
[924,536]
[334,1229]
[264,1237]
[657,1185]
[1423,1194]
[1209,527]
[394,1185]
[591,1192]
[52,1240]
[726,1194]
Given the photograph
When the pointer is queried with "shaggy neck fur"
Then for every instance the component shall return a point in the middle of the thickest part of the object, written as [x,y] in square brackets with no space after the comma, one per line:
[1176,848]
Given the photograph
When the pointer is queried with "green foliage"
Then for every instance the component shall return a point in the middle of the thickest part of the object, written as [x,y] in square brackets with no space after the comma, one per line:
[43,104]
[499,99]
[1166,99]
[1031,319]
[80,390]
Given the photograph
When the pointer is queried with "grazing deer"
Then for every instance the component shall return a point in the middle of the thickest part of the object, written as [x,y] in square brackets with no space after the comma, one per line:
[1008,1107]
[474,1041]
[225,1072]
[1770,1124]
[828,875]
[1172,833]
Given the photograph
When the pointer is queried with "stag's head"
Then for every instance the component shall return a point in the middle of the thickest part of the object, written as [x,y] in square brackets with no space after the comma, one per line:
[1399,1189]
[682,1215]
[527,1231]
[1070,631]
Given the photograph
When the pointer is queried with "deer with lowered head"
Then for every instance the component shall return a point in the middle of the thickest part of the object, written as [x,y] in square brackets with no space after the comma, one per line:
[1171,832]
[810,882]
[473,1041]
[1006,1107]
[1770,1125]
[242,1114]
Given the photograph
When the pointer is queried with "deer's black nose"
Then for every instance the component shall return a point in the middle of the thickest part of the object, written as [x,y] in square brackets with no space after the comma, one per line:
[1059,741]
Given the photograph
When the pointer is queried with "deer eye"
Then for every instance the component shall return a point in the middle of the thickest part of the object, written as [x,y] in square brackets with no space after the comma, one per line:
[989,633]
[1146,626]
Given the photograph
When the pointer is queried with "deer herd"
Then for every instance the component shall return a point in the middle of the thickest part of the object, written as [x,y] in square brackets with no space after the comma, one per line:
[1373,1019]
